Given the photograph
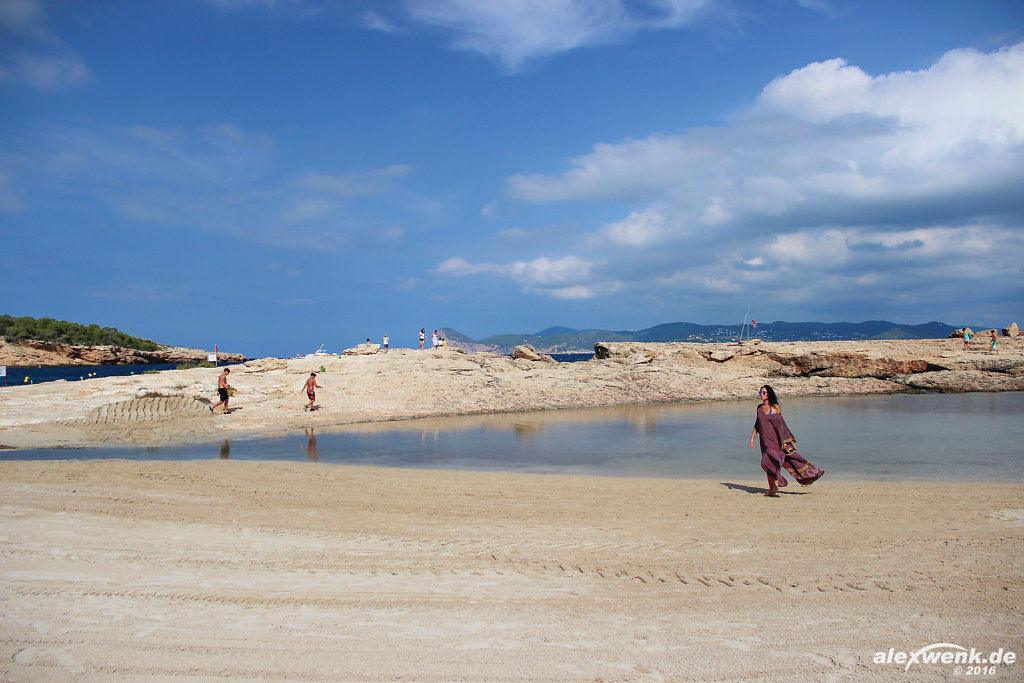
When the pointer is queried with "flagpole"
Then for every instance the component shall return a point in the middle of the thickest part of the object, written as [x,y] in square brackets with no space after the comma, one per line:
[744,328]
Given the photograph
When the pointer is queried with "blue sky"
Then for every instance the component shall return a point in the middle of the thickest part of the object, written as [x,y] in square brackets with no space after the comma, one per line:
[272,175]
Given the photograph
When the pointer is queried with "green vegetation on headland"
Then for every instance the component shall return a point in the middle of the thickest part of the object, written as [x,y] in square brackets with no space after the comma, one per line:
[62,332]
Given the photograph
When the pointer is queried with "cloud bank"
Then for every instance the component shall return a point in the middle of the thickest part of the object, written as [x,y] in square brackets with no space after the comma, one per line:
[834,182]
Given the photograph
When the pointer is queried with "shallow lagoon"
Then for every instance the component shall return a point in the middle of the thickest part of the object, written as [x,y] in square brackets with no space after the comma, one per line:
[937,437]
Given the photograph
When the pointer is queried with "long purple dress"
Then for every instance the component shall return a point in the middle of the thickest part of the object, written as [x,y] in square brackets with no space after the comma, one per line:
[776,439]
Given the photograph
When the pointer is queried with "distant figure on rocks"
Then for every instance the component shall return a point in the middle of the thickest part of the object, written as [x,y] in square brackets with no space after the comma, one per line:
[967,339]
[310,389]
[386,342]
[423,336]
[222,390]
[778,446]
[434,341]
[994,348]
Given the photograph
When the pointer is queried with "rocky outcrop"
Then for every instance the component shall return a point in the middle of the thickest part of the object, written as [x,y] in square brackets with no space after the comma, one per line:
[845,364]
[266,364]
[962,381]
[936,365]
[40,353]
[959,334]
[527,352]
[1011,331]
[366,349]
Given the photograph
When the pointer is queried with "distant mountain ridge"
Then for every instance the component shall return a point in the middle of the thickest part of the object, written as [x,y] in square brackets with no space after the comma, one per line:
[568,340]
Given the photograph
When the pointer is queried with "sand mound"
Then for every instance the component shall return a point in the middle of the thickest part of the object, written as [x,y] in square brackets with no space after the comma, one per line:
[148,409]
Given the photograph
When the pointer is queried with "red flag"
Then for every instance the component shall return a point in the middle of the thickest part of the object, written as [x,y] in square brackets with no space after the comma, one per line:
[755,322]
[215,346]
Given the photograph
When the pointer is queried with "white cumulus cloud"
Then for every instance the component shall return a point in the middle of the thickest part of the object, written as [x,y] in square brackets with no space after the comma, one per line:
[569,277]
[834,183]
[827,142]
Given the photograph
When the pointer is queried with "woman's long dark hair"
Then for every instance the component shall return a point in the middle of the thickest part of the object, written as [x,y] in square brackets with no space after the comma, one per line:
[772,398]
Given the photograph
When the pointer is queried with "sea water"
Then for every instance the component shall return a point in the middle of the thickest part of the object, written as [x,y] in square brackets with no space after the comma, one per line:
[937,437]
[17,376]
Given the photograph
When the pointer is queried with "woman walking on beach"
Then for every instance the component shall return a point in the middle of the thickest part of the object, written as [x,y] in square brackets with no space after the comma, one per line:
[778,446]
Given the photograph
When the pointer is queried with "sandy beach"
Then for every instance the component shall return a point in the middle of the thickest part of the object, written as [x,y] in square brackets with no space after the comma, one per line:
[166,571]
[303,571]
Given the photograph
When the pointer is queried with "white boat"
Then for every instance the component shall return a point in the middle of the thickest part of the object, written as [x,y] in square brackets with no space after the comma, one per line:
[318,352]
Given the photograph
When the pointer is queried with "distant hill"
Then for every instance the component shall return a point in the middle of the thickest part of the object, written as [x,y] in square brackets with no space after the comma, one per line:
[569,340]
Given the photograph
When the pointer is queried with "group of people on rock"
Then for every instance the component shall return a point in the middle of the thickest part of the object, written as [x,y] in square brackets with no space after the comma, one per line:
[437,339]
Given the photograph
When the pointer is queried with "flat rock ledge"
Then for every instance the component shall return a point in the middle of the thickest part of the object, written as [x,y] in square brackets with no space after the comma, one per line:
[934,365]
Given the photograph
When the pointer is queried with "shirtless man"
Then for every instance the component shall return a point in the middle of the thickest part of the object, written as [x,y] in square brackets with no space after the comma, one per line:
[310,389]
[222,390]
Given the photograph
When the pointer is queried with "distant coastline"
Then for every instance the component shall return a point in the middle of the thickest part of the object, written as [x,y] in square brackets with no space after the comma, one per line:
[34,353]
[569,340]
[45,342]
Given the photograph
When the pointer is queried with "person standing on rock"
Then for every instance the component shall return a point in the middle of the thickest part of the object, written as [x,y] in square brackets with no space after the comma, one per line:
[423,336]
[778,446]
[386,342]
[995,344]
[967,339]
[222,390]
[310,389]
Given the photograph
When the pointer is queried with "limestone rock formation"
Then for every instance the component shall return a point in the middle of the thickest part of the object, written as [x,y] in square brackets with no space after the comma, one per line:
[527,352]
[30,352]
[961,381]
[1011,331]
[266,364]
[846,364]
[366,349]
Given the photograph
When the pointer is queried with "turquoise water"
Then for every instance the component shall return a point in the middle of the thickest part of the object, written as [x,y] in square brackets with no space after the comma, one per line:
[939,437]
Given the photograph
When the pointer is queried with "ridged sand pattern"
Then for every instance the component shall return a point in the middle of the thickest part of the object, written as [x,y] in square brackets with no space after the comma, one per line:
[144,410]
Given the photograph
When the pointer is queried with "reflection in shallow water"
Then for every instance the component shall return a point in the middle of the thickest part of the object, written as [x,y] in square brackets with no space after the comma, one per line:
[311,444]
[951,437]
[225,449]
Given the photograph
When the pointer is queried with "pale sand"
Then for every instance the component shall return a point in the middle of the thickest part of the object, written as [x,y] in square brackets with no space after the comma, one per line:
[304,571]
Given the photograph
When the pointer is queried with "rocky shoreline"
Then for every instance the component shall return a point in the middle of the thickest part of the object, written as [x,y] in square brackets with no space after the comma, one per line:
[33,353]
[172,406]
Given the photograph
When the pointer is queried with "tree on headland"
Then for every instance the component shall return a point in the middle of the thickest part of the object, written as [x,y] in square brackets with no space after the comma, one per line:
[63,332]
